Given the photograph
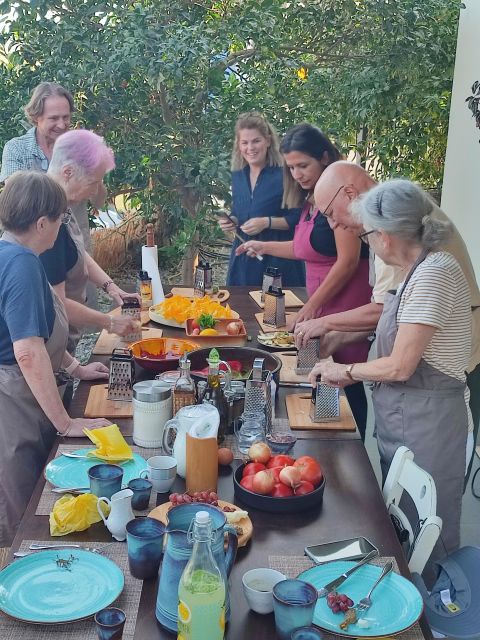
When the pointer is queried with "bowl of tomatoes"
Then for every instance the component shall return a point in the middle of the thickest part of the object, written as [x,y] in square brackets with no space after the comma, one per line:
[281,484]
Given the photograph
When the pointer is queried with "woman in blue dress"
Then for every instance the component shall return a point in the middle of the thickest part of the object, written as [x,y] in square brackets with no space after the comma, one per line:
[257,192]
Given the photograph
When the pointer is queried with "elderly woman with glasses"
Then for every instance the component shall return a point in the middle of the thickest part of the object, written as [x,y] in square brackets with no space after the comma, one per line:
[337,266]
[423,343]
[33,338]
[79,163]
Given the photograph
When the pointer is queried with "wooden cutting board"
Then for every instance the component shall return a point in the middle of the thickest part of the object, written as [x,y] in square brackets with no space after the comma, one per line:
[298,409]
[187,292]
[291,300]
[287,372]
[268,327]
[99,407]
[107,342]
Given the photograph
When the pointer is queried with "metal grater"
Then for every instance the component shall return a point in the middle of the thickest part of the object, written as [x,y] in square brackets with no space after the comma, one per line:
[122,375]
[274,310]
[258,396]
[308,356]
[199,281]
[325,405]
[132,307]
[271,278]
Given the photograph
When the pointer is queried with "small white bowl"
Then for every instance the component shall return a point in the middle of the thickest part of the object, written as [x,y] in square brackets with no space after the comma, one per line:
[257,587]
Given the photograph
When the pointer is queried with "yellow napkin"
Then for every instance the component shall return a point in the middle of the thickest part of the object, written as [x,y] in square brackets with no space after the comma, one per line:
[75,513]
[111,445]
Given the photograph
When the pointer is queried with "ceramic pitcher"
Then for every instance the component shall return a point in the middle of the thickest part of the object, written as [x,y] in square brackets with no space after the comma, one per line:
[120,513]
[180,424]
[177,552]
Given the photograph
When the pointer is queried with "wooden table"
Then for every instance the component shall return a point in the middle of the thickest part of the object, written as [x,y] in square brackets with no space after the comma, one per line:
[352,506]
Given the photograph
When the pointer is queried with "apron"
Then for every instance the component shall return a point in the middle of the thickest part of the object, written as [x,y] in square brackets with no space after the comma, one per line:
[26,435]
[76,280]
[427,414]
[355,293]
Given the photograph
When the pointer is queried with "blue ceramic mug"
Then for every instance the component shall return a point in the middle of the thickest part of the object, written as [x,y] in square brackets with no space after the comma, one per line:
[293,604]
[110,623]
[142,488]
[105,479]
[145,546]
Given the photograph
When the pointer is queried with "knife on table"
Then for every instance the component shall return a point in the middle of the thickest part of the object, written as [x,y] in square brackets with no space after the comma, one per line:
[334,584]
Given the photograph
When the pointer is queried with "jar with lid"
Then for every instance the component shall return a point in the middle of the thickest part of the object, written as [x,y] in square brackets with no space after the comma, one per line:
[152,408]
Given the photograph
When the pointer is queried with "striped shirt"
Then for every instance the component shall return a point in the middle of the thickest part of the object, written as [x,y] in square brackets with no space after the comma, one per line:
[437,294]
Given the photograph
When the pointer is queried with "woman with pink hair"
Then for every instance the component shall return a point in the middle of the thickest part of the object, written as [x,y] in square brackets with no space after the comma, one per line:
[79,162]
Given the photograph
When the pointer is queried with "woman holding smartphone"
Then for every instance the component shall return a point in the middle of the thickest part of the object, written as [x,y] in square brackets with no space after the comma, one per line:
[336,263]
[257,192]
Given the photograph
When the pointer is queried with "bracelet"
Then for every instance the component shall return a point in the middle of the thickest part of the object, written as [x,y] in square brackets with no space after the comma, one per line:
[269,222]
[106,284]
[66,432]
[72,366]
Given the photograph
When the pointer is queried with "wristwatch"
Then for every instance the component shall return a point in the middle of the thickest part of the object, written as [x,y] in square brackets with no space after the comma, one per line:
[348,372]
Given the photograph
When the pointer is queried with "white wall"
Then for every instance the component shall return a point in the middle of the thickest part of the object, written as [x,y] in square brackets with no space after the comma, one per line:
[461,183]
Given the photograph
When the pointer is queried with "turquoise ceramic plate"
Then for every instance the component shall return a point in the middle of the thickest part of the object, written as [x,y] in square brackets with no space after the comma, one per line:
[396,603]
[56,586]
[68,473]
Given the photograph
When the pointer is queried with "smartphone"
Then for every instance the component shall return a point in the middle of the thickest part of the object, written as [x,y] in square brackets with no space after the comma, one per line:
[351,549]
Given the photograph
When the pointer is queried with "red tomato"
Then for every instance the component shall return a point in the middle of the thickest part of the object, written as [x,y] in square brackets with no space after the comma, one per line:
[280,461]
[252,468]
[194,325]
[276,473]
[310,470]
[280,490]
[303,488]
[247,483]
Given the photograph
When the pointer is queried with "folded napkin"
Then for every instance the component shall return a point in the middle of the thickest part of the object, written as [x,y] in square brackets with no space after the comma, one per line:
[75,513]
[111,445]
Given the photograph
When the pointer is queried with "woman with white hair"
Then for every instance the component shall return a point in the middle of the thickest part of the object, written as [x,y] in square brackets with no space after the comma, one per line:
[79,163]
[423,345]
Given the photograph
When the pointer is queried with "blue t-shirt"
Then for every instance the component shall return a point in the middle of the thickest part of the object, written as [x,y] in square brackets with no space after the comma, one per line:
[265,200]
[26,302]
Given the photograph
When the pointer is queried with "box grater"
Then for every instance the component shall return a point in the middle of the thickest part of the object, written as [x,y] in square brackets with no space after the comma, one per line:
[274,310]
[271,278]
[258,392]
[132,307]
[325,405]
[122,375]
[203,280]
[308,356]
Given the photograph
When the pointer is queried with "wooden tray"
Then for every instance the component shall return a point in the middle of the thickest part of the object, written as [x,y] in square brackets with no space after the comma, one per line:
[298,409]
[287,372]
[160,513]
[99,407]
[107,342]
[291,300]
[268,327]
[187,292]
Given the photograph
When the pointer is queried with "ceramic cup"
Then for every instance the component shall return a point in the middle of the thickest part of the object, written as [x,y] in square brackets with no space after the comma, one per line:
[257,588]
[105,479]
[306,633]
[161,471]
[142,488]
[293,603]
[109,623]
[145,545]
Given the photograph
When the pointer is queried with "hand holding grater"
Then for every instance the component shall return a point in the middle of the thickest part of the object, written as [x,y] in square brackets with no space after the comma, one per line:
[325,405]
[258,394]
[132,307]
[308,356]
[274,309]
[122,375]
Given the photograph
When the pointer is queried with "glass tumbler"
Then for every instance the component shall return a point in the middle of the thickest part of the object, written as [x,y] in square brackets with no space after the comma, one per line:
[249,428]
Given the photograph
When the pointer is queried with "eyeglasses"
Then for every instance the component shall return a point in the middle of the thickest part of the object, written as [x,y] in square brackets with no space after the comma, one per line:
[324,213]
[67,216]
[364,236]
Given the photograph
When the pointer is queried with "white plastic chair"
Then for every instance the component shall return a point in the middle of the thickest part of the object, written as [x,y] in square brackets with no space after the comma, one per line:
[405,475]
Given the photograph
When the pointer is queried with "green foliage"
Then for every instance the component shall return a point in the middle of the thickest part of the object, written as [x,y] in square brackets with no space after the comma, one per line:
[150,76]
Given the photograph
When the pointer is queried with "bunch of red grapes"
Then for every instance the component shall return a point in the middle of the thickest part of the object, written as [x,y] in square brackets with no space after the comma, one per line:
[339,602]
[205,497]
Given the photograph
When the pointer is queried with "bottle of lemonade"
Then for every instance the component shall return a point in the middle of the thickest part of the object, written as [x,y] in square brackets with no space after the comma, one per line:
[201,590]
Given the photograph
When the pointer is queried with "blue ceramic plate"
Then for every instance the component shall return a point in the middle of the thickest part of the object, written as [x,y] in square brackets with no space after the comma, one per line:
[56,586]
[396,603]
[68,473]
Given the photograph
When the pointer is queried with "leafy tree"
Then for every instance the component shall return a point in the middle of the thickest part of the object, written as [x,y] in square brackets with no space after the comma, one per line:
[165,81]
